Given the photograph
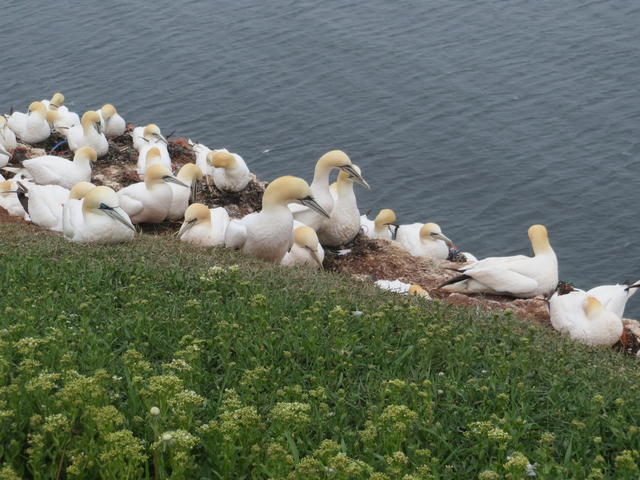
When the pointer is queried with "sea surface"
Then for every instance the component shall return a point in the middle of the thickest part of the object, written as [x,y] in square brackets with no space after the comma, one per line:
[483,116]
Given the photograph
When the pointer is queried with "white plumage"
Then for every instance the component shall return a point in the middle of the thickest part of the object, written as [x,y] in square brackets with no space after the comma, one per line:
[53,170]
[113,125]
[31,127]
[230,173]
[88,134]
[344,222]
[424,240]
[204,226]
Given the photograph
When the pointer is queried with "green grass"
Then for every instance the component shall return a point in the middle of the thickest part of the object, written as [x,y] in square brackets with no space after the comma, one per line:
[263,372]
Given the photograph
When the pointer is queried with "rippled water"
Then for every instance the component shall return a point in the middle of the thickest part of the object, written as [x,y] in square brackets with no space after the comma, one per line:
[485,117]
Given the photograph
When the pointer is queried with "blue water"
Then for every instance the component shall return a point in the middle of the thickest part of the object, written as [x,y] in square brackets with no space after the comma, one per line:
[485,117]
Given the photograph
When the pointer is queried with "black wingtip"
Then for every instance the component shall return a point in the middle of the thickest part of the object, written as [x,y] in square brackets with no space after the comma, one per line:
[453,280]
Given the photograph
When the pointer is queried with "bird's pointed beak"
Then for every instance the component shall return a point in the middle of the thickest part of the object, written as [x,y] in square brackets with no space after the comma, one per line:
[313,205]
[635,285]
[444,238]
[393,231]
[161,137]
[315,256]
[172,179]
[117,216]
[98,126]
[355,176]
[186,226]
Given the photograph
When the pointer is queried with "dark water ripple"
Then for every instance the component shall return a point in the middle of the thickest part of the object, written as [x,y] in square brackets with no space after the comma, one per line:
[483,116]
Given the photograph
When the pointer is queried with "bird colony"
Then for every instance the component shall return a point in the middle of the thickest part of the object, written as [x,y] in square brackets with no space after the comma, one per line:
[297,225]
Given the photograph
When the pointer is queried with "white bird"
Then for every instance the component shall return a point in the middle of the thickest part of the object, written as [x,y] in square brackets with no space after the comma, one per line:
[344,222]
[31,127]
[101,220]
[381,227]
[584,319]
[7,137]
[268,234]
[44,203]
[306,249]
[61,122]
[202,152]
[189,174]
[149,134]
[113,125]
[320,186]
[517,276]
[88,134]
[53,170]
[9,199]
[424,240]
[72,208]
[56,102]
[4,156]
[204,226]
[230,173]
[152,154]
[614,297]
[149,201]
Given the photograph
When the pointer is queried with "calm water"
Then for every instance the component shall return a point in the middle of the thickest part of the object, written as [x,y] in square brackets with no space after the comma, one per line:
[485,117]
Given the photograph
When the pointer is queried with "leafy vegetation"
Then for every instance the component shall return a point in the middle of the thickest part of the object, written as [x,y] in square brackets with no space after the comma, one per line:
[159,360]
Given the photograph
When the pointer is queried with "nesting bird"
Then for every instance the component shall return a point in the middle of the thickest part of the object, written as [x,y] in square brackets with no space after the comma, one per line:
[113,125]
[147,135]
[43,203]
[56,102]
[230,173]
[88,134]
[153,154]
[189,174]
[424,240]
[53,170]
[9,199]
[150,201]
[306,249]
[516,276]
[268,234]
[101,219]
[72,208]
[204,226]
[7,136]
[381,227]
[202,155]
[31,127]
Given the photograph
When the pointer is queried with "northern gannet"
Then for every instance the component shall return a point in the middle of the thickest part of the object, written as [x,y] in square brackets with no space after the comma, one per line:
[9,199]
[44,203]
[147,135]
[268,234]
[152,154]
[344,223]
[61,122]
[149,201]
[202,154]
[320,186]
[57,101]
[31,127]
[517,276]
[88,134]
[614,297]
[424,240]
[584,319]
[306,249]
[113,125]
[102,220]
[189,174]
[7,137]
[230,173]
[4,157]
[52,170]
[381,227]
[204,226]
[72,207]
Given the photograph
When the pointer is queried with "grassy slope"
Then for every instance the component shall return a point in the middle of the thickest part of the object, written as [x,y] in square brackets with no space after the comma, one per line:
[254,370]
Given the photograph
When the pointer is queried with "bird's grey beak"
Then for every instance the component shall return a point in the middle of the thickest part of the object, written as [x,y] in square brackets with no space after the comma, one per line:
[444,238]
[313,205]
[355,176]
[186,226]
[635,285]
[98,126]
[113,213]
[172,179]
[315,256]
[393,231]
[161,137]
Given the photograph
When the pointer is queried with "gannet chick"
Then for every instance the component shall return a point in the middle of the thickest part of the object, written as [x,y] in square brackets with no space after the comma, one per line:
[9,199]
[149,201]
[202,152]
[584,319]
[381,227]
[102,220]
[61,122]
[31,127]
[268,234]
[44,203]
[150,134]
[88,134]
[306,249]
[72,207]
[189,174]
[113,125]
[230,173]
[320,186]
[57,101]
[204,226]
[427,241]
[152,154]
[52,170]
[614,297]
[518,276]
[7,137]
